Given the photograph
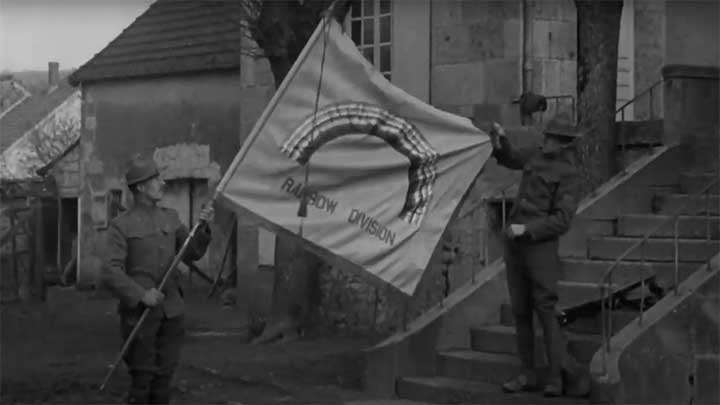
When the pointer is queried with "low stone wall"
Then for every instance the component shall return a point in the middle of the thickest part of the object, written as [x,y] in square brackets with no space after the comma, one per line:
[412,352]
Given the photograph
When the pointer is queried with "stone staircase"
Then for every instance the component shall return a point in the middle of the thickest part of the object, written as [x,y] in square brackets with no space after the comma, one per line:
[474,374]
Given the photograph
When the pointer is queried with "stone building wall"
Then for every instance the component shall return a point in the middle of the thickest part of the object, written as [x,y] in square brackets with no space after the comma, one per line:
[554,54]
[649,55]
[189,124]
[477,49]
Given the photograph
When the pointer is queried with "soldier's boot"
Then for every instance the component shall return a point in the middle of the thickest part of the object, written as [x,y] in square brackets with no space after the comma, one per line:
[554,346]
[525,381]
[553,387]
[577,383]
[139,387]
[525,339]
[160,390]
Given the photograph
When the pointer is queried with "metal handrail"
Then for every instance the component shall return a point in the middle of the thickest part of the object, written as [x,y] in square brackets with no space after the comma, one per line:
[606,280]
[622,108]
[484,201]
[650,89]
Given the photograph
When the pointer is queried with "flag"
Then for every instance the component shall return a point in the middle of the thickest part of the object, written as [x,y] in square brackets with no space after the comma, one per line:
[381,171]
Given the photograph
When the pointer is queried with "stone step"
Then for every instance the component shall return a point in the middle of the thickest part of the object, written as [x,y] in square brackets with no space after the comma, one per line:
[656,249]
[444,390]
[593,324]
[468,364]
[589,324]
[572,294]
[501,339]
[592,271]
[690,227]
[635,133]
[695,182]
[686,204]
[665,188]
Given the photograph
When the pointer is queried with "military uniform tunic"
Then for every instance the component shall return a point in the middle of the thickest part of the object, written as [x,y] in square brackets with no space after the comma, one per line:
[140,246]
[545,204]
[546,200]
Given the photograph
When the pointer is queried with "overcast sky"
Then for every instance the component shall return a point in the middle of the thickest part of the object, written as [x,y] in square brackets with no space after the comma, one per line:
[34,32]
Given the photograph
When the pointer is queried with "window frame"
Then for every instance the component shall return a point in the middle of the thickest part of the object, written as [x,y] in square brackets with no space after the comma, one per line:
[376,43]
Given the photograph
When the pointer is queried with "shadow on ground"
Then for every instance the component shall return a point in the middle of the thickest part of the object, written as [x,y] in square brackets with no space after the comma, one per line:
[59,351]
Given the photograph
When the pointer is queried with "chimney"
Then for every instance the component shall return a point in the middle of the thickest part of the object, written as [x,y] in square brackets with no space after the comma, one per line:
[53,75]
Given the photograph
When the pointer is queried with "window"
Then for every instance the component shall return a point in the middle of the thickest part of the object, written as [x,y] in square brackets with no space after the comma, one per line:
[370,28]
[115,205]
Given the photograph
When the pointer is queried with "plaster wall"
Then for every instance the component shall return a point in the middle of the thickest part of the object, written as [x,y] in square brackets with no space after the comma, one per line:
[190,124]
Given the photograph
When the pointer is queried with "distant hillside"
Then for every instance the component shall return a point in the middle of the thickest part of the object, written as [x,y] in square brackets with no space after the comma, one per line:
[35,80]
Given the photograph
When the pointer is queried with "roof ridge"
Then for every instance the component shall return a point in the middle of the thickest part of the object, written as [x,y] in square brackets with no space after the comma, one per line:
[177,31]
[74,75]
[16,123]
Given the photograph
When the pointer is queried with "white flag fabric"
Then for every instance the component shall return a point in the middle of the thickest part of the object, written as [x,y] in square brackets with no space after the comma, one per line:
[385,171]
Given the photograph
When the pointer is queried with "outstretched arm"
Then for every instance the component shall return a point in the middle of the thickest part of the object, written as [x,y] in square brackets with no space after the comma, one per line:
[511,157]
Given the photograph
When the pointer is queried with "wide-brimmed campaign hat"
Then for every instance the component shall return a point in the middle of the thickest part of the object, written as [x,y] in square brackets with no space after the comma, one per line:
[141,169]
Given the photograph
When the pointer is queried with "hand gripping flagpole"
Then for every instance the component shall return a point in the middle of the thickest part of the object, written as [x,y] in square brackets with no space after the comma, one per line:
[224,181]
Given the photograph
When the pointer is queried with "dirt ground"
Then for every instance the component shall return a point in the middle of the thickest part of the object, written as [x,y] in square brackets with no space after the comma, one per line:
[59,352]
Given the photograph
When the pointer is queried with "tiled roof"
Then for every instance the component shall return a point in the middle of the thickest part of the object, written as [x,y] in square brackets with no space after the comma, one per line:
[24,116]
[171,36]
[9,94]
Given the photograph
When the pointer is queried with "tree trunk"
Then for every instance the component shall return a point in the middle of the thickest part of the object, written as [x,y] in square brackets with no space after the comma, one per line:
[281,31]
[598,32]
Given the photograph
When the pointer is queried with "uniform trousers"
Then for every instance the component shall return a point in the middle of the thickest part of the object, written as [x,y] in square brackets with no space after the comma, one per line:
[533,272]
[152,356]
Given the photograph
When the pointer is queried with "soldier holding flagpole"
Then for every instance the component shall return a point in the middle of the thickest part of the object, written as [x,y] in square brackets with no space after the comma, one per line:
[141,243]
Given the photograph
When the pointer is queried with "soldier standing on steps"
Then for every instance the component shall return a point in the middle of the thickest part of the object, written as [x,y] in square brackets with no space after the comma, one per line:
[141,244]
[542,212]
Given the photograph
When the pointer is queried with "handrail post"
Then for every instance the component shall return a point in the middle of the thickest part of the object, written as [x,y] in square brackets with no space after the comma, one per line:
[603,331]
[503,210]
[676,254]
[707,223]
[405,314]
[642,282]
[623,139]
[652,105]
[605,340]
[707,214]
[612,306]
[487,246]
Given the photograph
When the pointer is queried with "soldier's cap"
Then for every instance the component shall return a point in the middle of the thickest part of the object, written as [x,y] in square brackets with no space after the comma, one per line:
[141,169]
[562,128]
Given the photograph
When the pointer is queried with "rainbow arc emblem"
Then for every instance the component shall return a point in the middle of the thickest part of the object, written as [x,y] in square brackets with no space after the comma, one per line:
[336,120]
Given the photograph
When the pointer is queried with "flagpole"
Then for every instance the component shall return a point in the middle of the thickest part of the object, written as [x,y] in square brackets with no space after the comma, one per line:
[302,208]
[223,182]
